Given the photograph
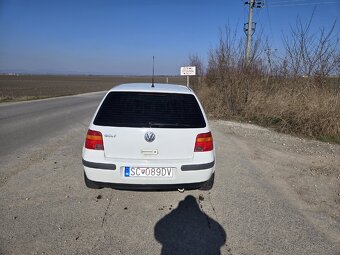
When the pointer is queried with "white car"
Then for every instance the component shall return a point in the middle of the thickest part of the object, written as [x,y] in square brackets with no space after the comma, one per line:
[145,136]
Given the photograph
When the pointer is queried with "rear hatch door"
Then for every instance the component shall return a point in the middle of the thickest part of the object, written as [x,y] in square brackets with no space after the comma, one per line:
[149,143]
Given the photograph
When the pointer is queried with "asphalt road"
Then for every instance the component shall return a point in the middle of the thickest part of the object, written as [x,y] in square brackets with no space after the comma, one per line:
[26,124]
[45,207]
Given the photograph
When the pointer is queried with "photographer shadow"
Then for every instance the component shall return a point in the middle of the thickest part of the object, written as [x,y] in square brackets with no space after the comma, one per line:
[188,230]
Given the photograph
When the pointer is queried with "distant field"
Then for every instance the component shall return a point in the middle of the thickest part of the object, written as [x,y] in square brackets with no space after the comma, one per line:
[29,87]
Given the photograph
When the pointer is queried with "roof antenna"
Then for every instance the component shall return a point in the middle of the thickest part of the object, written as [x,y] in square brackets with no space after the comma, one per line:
[153,72]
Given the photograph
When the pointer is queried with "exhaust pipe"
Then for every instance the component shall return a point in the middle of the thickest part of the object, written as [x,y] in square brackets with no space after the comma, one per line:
[181,190]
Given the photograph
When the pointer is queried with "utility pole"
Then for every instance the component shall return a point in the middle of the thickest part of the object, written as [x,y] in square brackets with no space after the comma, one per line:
[249,28]
[269,52]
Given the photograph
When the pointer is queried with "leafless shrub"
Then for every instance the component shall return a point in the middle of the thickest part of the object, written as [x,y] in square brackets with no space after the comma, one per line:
[297,92]
[196,81]
[229,75]
[309,54]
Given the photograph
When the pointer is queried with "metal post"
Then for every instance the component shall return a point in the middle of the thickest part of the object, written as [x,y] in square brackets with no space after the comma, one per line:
[188,81]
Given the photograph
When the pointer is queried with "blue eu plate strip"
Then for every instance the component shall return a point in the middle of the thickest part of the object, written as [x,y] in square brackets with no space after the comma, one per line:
[127,171]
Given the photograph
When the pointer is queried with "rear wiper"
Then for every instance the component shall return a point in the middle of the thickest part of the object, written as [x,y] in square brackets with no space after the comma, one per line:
[157,124]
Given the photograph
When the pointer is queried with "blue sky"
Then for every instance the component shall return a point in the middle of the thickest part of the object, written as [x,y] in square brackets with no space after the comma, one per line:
[121,36]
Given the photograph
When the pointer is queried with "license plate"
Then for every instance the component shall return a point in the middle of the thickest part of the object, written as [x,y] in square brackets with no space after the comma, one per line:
[148,171]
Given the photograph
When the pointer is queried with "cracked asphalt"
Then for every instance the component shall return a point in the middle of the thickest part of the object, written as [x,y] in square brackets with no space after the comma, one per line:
[253,208]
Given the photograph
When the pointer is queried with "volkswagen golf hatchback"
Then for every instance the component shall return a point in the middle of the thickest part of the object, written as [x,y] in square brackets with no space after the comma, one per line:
[149,137]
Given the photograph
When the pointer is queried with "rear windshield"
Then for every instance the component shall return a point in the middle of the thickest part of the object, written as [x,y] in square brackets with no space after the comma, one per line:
[140,109]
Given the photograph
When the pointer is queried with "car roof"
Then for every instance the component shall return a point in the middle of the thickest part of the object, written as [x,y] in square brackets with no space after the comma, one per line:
[158,87]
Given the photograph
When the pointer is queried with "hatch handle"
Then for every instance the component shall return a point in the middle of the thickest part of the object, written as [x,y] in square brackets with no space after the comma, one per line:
[149,152]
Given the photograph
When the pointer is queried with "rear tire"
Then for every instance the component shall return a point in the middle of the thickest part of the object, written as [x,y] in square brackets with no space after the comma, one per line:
[90,184]
[209,183]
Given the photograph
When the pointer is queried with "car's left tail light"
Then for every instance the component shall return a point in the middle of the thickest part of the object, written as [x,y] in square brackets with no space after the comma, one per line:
[94,140]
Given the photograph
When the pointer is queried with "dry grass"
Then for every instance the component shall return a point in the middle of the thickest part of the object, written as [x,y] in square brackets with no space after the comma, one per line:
[312,111]
[302,109]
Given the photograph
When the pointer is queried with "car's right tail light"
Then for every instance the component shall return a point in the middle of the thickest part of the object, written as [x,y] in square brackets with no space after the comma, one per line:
[94,140]
[204,142]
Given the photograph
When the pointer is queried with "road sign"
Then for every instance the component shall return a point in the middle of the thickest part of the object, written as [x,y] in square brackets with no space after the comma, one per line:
[188,70]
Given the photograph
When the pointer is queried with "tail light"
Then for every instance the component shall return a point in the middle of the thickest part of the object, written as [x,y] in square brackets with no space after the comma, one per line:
[204,142]
[94,140]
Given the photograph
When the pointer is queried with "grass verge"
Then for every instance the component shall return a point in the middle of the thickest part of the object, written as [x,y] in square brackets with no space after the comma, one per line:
[309,111]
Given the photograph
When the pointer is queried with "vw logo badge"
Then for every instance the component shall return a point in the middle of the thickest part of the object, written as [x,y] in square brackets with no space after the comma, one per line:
[149,137]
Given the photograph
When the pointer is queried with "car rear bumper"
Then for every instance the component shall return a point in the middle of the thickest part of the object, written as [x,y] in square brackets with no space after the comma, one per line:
[109,174]
[149,187]
[191,167]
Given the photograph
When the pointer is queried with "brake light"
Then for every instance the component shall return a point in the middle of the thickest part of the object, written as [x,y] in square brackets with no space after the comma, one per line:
[204,142]
[94,140]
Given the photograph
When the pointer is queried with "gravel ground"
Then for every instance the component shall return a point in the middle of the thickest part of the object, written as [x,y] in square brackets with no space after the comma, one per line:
[306,171]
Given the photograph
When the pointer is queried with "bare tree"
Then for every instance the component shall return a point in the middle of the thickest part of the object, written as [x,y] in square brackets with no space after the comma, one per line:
[227,71]
[196,60]
[196,81]
[311,54]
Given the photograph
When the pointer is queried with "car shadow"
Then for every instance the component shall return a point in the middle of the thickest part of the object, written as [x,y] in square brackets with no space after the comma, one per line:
[188,230]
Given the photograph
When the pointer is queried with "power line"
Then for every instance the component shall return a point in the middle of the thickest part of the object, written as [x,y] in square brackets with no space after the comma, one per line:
[299,1]
[270,25]
[287,1]
[244,12]
[299,4]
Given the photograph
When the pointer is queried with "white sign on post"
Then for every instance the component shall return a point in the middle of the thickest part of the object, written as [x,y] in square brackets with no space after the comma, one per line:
[188,70]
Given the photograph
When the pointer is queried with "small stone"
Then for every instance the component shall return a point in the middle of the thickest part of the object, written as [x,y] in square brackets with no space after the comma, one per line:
[125,208]
[99,197]
[27,198]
